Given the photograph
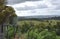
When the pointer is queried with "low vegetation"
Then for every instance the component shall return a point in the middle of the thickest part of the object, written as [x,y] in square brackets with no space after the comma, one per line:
[33,29]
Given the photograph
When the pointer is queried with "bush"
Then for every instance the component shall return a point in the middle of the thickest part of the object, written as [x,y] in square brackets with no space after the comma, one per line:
[33,34]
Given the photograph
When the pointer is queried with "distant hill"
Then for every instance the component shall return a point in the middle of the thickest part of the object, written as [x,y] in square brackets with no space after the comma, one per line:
[39,17]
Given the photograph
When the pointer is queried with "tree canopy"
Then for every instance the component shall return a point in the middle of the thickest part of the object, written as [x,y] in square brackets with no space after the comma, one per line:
[5,12]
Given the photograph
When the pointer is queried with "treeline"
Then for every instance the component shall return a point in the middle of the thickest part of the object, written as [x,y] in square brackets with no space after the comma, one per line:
[50,18]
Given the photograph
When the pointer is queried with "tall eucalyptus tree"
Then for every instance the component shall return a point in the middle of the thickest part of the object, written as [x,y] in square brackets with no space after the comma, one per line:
[6,12]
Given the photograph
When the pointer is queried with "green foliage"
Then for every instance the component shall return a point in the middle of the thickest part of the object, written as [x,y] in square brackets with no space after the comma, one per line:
[24,28]
[6,12]
[36,30]
[2,2]
[10,31]
[45,34]
[40,29]
[1,17]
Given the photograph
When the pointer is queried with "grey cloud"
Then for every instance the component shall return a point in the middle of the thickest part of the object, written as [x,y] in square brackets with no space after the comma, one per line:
[25,8]
[42,6]
[55,12]
[55,2]
[57,8]
[19,1]
[32,7]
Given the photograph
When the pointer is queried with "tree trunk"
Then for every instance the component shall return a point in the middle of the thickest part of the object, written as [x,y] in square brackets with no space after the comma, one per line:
[1,32]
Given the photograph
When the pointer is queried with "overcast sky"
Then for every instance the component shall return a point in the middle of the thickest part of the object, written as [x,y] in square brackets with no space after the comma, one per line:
[35,7]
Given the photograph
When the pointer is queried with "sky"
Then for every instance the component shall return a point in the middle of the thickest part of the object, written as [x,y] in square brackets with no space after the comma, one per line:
[35,7]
